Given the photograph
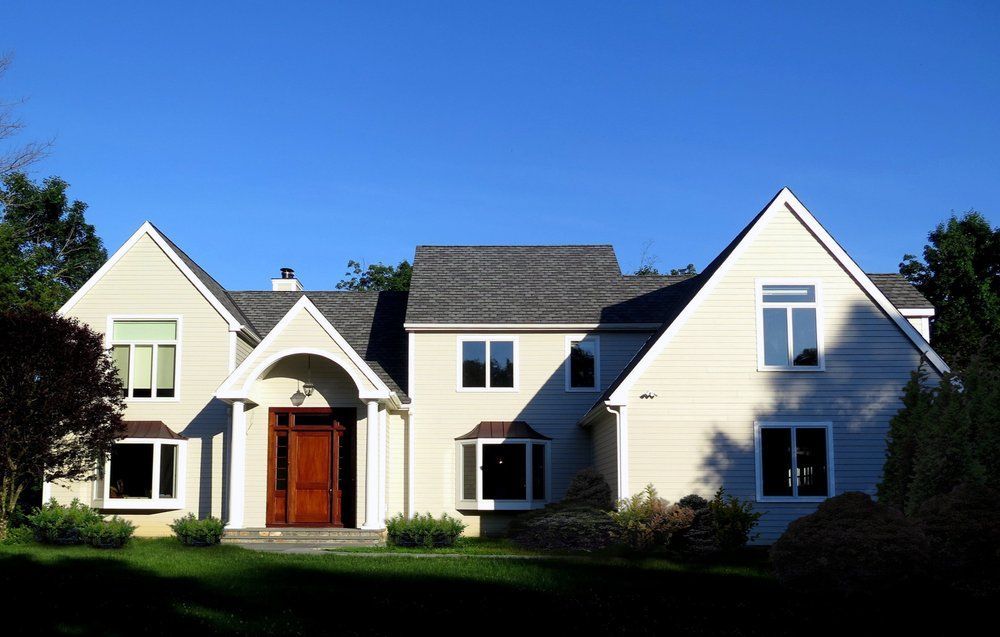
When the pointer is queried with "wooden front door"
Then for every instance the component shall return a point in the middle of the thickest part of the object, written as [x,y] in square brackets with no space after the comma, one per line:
[311,467]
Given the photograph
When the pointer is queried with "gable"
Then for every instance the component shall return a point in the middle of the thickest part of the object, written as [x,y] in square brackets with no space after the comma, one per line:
[794,245]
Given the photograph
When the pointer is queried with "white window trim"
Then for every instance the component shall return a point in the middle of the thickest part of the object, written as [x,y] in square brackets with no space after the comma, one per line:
[105,501]
[482,504]
[831,488]
[576,338]
[109,341]
[488,338]
[817,305]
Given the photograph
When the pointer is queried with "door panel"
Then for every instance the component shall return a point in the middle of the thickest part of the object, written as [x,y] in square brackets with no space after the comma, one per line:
[310,474]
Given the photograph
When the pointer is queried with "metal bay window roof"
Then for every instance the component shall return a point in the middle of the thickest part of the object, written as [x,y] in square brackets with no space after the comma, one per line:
[503,429]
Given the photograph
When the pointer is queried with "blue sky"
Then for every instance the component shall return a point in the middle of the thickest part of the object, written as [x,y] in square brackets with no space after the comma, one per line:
[259,135]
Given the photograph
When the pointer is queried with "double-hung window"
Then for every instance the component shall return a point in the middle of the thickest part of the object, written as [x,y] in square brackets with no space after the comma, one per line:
[145,351]
[487,364]
[794,461]
[789,325]
[583,363]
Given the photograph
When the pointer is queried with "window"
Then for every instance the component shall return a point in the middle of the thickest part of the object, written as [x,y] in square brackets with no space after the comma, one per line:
[145,353]
[789,331]
[502,474]
[142,473]
[487,364]
[583,363]
[794,462]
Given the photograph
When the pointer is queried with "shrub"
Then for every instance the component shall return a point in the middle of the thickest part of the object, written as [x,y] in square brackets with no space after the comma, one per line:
[194,532]
[424,530]
[732,520]
[54,523]
[851,544]
[564,527]
[645,520]
[18,535]
[589,488]
[963,529]
[108,534]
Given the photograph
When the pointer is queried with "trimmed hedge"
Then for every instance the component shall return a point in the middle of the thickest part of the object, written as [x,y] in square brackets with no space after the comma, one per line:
[108,534]
[194,532]
[424,530]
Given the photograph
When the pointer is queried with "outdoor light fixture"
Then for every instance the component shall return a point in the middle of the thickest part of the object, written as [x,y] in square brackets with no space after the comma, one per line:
[308,387]
[298,398]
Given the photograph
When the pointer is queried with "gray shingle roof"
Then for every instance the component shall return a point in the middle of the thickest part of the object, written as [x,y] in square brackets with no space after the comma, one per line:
[371,322]
[900,292]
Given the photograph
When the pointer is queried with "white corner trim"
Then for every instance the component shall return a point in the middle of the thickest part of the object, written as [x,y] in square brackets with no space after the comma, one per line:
[229,389]
[576,338]
[784,200]
[917,312]
[147,229]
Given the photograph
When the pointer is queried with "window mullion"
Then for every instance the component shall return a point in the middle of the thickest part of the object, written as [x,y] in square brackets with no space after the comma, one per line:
[152,372]
[155,495]
[795,464]
[479,472]
[131,368]
[791,336]
[486,363]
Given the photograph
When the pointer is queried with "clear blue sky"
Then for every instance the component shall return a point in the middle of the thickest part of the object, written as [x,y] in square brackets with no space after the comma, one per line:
[259,135]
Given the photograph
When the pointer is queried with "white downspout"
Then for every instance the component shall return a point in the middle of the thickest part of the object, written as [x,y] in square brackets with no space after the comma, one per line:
[621,432]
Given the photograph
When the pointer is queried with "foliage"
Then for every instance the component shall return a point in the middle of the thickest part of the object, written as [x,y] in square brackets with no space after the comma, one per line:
[851,544]
[108,534]
[647,264]
[424,530]
[645,520]
[589,488]
[946,434]
[194,532]
[963,528]
[564,527]
[54,523]
[62,402]
[733,521]
[18,535]
[688,270]
[15,157]
[960,275]
[47,248]
[376,277]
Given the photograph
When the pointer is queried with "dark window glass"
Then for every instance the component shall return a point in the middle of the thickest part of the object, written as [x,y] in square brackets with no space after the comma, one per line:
[775,336]
[582,360]
[281,419]
[131,471]
[473,364]
[501,364]
[168,471]
[468,472]
[538,472]
[789,293]
[776,461]
[504,472]
[281,463]
[804,349]
[305,420]
[810,459]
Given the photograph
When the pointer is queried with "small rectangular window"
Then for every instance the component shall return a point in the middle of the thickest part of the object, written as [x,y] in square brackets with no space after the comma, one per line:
[789,327]
[583,363]
[469,472]
[793,461]
[487,364]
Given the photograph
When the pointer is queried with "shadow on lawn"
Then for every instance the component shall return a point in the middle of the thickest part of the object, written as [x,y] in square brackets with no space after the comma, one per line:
[226,591]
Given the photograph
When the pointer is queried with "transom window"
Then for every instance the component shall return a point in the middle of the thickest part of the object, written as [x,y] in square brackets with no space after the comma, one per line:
[142,474]
[503,474]
[794,462]
[789,326]
[487,364]
[583,363]
[145,353]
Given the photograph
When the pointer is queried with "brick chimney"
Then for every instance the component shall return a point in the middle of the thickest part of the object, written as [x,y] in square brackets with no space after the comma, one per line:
[286,282]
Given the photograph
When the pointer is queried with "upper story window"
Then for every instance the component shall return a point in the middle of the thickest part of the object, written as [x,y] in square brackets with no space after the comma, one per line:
[794,461]
[145,353]
[487,364]
[789,325]
[583,363]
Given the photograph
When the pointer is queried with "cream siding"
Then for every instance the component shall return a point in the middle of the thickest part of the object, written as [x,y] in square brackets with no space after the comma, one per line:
[697,434]
[443,412]
[604,433]
[243,349]
[145,281]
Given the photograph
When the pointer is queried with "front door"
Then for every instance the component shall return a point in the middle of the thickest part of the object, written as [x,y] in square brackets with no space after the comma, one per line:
[310,467]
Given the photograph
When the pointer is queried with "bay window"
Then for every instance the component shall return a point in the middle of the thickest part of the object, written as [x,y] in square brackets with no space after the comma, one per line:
[145,352]
[789,325]
[144,470]
[502,473]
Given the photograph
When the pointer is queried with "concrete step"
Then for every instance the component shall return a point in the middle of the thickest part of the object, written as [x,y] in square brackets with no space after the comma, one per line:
[293,535]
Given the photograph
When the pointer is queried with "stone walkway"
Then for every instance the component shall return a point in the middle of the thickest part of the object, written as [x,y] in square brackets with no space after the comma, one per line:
[319,549]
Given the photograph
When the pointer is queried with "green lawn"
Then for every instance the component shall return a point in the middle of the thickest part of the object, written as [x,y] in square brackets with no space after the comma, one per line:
[160,587]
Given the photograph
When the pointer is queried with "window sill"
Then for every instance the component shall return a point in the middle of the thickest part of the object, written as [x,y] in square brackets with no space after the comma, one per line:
[499,505]
[820,368]
[139,504]
[175,399]
[487,390]
[582,390]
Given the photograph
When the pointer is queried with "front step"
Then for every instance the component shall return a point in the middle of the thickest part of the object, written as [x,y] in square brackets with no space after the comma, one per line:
[304,535]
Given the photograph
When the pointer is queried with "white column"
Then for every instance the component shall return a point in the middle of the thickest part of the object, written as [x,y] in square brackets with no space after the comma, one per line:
[383,444]
[372,518]
[237,465]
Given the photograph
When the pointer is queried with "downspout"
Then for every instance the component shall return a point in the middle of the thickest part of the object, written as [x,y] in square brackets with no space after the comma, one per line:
[621,433]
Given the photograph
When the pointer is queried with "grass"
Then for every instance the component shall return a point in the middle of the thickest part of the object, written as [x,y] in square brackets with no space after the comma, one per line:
[160,587]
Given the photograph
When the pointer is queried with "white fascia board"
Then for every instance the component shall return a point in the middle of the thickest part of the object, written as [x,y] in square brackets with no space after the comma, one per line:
[788,201]
[528,327]
[147,229]
[229,390]
[917,312]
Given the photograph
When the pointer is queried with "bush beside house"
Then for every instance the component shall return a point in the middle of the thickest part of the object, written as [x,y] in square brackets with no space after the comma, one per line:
[194,532]
[423,531]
